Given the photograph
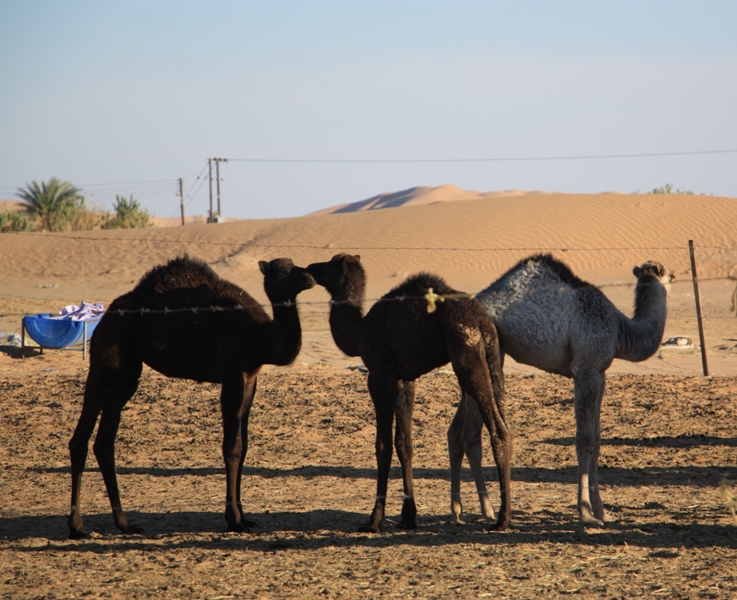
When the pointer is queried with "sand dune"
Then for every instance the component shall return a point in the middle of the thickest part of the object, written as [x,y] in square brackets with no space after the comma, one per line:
[470,243]
[420,195]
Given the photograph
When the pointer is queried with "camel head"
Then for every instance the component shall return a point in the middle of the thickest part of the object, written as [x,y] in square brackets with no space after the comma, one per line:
[283,280]
[342,276]
[653,268]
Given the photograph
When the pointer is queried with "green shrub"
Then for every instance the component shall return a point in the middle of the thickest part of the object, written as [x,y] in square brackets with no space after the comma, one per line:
[128,215]
[13,220]
[668,189]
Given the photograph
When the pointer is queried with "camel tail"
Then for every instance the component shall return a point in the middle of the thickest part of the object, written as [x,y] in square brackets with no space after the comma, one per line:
[494,361]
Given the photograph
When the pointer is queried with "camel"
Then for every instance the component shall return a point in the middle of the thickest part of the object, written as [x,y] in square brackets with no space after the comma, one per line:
[549,318]
[399,340]
[166,322]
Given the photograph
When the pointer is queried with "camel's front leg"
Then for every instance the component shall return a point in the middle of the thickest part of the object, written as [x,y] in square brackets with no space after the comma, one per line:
[588,384]
[403,444]
[597,504]
[249,393]
[236,398]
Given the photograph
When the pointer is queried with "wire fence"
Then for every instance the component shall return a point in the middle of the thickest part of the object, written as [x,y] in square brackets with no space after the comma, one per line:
[724,252]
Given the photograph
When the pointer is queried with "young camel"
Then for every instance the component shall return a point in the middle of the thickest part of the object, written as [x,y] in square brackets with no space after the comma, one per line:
[549,318]
[399,340]
[190,342]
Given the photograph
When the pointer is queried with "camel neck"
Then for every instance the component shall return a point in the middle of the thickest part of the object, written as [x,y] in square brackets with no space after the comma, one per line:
[640,336]
[284,336]
[345,325]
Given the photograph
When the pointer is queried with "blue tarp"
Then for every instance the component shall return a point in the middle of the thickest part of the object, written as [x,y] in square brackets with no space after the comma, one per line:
[54,332]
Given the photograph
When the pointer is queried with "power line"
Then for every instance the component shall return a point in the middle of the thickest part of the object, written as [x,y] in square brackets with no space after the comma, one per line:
[468,160]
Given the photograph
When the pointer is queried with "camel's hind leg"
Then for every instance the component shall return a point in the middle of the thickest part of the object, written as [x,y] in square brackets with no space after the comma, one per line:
[384,389]
[403,444]
[107,390]
[473,348]
[464,437]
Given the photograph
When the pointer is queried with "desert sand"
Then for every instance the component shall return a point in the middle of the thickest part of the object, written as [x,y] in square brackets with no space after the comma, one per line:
[669,432]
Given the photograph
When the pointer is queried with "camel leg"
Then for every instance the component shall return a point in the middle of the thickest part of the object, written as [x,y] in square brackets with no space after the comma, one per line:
[403,444]
[588,384]
[472,427]
[106,391]
[473,377]
[236,398]
[250,391]
[383,387]
[78,447]
[455,453]
[594,492]
[104,450]
[464,437]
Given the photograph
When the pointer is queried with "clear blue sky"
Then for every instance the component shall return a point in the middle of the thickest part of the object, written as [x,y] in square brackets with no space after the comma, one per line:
[140,93]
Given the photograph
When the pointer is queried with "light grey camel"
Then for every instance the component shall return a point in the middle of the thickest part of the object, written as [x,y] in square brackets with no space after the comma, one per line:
[192,341]
[549,318]
[399,340]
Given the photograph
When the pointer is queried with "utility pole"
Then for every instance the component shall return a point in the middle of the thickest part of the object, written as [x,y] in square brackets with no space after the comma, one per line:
[217,174]
[181,198]
[210,215]
[215,217]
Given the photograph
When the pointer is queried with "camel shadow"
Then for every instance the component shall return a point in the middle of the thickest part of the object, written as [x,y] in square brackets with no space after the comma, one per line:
[661,441]
[318,529]
[614,476]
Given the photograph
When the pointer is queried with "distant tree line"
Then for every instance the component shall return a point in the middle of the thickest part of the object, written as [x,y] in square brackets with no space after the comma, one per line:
[668,189]
[58,205]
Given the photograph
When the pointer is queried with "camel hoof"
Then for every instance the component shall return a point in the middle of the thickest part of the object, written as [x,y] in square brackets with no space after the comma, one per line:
[369,529]
[133,530]
[609,518]
[403,525]
[78,534]
[592,523]
[498,526]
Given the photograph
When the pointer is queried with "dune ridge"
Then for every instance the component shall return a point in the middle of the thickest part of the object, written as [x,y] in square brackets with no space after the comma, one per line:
[421,195]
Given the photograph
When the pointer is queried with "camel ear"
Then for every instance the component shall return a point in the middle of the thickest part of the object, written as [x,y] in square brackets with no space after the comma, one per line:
[357,256]
[264,266]
[637,271]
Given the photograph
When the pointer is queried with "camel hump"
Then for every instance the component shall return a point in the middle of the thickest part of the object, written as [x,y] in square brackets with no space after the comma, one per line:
[185,282]
[419,284]
[538,269]
[181,272]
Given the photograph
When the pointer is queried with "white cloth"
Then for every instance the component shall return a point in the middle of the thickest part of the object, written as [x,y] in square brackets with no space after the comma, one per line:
[87,310]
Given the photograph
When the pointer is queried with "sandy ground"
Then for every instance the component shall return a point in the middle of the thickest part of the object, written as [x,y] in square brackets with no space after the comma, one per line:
[669,432]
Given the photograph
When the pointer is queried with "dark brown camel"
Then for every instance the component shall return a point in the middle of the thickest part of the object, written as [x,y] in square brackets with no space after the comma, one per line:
[399,340]
[182,338]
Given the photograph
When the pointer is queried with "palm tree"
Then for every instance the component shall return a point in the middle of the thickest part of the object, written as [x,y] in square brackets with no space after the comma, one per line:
[54,202]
